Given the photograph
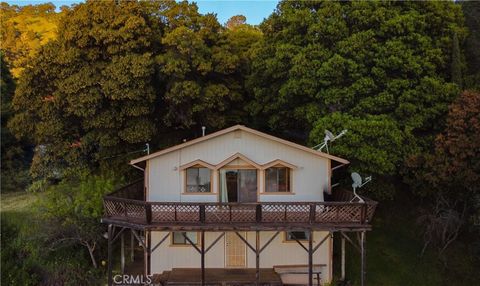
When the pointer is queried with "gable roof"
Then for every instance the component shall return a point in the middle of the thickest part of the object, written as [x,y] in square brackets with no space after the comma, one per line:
[234,128]
[195,163]
[278,162]
[234,157]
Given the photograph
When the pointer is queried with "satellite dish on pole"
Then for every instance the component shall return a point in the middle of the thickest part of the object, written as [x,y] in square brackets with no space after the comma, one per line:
[329,137]
[358,182]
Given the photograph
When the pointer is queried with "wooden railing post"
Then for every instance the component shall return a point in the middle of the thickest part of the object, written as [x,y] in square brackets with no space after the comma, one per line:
[363,214]
[312,213]
[148,212]
[202,213]
[258,213]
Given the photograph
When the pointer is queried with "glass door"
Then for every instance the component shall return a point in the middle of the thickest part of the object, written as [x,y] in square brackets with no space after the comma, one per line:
[238,185]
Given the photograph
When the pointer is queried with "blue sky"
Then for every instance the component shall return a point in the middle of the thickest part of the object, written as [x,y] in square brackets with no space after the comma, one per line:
[254,10]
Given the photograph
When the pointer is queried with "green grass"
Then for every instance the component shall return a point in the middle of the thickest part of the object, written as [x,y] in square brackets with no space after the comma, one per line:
[17,201]
[17,208]
[393,254]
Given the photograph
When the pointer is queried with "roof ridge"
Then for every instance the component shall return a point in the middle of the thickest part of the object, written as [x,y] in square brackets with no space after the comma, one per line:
[230,129]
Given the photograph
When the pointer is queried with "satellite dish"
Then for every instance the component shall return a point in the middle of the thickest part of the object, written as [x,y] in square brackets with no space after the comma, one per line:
[328,137]
[358,182]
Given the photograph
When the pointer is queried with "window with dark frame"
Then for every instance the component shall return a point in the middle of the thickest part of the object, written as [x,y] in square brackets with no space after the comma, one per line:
[296,235]
[179,238]
[198,180]
[277,179]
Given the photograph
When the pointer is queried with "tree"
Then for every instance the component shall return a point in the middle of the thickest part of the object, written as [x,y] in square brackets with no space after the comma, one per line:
[24,30]
[449,176]
[89,93]
[471,11]
[73,210]
[236,21]
[14,153]
[379,61]
[456,63]
[199,69]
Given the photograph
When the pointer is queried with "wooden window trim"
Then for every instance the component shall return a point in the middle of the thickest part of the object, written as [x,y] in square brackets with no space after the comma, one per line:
[237,168]
[197,193]
[290,180]
[187,244]
[285,240]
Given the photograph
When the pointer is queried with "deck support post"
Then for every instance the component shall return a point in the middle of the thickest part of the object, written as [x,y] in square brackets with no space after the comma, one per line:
[110,248]
[202,254]
[343,259]
[310,258]
[257,258]
[132,246]
[146,252]
[363,254]
[122,252]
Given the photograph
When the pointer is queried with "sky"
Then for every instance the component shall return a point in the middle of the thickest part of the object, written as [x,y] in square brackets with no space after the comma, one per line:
[254,10]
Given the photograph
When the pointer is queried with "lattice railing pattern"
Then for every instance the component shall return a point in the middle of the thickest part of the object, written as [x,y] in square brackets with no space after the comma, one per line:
[170,213]
[210,213]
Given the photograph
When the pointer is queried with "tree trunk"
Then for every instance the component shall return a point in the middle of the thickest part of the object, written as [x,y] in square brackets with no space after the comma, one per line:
[91,249]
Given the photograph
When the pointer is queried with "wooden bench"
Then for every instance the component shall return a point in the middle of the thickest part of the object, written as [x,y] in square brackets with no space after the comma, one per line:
[298,269]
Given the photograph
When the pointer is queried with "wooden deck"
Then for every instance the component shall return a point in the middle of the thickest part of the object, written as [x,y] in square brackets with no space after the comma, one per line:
[127,208]
[218,277]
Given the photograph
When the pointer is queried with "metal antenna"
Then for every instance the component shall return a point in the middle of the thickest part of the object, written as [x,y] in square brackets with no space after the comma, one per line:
[357,183]
[329,137]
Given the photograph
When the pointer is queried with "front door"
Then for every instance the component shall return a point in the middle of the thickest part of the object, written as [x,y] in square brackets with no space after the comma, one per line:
[235,251]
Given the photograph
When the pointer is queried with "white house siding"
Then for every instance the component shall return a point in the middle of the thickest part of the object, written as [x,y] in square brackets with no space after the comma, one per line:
[166,180]
[278,252]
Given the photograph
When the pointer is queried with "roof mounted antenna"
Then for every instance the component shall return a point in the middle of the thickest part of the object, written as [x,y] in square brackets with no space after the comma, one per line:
[357,183]
[203,130]
[329,137]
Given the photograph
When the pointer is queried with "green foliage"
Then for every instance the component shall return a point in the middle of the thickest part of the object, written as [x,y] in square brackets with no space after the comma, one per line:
[202,68]
[393,248]
[374,143]
[14,153]
[24,30]
[471,11]
[456,63]
[27,258]
[119,73]
[77,200]
[448,176]
[89,93]
[72,210]
[454,164]
[383,66]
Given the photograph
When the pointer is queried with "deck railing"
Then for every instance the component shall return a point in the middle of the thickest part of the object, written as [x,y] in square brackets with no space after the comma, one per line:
[127,204]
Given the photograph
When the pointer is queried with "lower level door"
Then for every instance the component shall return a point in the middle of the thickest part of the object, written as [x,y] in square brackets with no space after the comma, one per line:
[235,251]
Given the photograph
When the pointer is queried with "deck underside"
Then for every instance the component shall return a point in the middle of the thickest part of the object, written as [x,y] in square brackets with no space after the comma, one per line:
[121,222]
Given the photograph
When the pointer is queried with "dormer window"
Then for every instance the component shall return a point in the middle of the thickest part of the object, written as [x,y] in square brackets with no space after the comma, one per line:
[277,179]
[198,180]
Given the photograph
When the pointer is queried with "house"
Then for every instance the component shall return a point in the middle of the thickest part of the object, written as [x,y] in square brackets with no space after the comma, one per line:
[237,200]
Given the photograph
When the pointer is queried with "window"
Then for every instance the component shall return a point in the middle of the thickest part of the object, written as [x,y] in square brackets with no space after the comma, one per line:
[179,239]
[198,180]
[296,235]
[277,179]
